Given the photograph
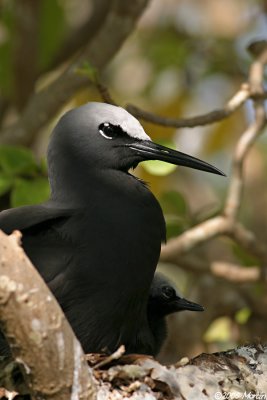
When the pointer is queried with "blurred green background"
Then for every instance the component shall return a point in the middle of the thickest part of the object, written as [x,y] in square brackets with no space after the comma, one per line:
[185,57]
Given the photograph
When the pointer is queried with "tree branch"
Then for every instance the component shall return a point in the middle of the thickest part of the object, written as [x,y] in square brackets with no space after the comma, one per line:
[40,337]
[204,119]
[25,51]
[226,223]
[222,269]
[83,35]
[248,138]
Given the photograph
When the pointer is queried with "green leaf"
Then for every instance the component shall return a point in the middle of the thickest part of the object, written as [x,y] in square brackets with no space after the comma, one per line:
[243,315]
[52,28]
[88,70]
[175,227]
[176,213]
[219,330]
[160,168]
[27,192]
[164,48]
[173,202]
[43,166]
[16,160]
[5,184]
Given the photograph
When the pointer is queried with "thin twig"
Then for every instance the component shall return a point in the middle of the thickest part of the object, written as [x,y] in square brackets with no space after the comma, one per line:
[222,269]
[235,273]
[249,242]
[195,236]
[248,138]
[83,35]
[104,92]
[25,50]
[204,119]
[226,223]
[114,356]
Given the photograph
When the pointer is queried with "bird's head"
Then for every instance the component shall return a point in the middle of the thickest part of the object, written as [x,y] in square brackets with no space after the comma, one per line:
[108,137]
[164,298]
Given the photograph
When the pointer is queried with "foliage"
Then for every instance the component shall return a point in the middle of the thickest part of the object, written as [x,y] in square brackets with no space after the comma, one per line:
[21,177]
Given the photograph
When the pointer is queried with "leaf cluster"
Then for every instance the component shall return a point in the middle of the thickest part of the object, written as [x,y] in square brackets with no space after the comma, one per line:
[22,178]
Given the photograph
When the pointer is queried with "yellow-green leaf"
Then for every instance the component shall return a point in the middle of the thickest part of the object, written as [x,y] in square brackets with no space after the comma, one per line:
[219,330]
[27,192]
[160,168]
[16,160]
[243,315]
[5,184]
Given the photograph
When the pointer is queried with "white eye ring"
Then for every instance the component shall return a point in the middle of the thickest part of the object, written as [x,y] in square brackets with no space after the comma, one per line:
[102,133]
[105,136]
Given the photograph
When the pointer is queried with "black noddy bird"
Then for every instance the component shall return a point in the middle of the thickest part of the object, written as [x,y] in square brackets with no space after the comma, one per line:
[164,299]
[96,241]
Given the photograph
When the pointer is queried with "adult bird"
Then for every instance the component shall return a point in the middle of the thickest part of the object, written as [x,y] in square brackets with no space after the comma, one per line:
[96,241]
[164,299]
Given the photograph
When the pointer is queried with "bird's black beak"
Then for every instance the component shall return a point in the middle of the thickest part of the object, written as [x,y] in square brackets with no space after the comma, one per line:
[148,150]
[184,304]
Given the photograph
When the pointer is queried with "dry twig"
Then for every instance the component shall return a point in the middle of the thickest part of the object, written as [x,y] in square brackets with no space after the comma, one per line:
[204,119]
[114,356]
[227,223]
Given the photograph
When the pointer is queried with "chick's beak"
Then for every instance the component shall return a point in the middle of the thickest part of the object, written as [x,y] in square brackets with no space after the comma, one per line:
[184,304]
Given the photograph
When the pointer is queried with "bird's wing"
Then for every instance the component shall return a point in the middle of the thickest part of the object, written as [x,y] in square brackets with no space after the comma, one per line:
[42,237]
[28,216]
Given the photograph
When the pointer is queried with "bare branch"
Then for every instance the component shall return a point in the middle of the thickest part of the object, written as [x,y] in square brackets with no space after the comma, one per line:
[25,51]
[247,239]
[222,269]
[226,223]
[247,139]
[245,143]
[84,34]
[104,92]
[195,236]
[38,332]
[204,119]
[114,356]
[235,273]
[4,103]
[253,89]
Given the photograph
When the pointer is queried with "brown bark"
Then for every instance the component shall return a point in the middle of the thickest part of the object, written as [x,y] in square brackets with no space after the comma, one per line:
[41,339]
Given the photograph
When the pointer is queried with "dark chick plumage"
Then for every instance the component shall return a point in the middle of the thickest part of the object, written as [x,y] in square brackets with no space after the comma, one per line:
[164,300]
[96,241]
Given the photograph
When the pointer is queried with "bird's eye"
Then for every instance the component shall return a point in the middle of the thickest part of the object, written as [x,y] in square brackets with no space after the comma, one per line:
[168,292]
[110,131]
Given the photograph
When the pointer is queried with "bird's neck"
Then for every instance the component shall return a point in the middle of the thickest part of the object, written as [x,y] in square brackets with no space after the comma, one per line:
[158,327]
[80,187]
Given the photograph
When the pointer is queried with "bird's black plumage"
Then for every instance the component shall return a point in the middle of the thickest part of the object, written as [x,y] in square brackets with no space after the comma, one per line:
[96,242]
[164,300]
